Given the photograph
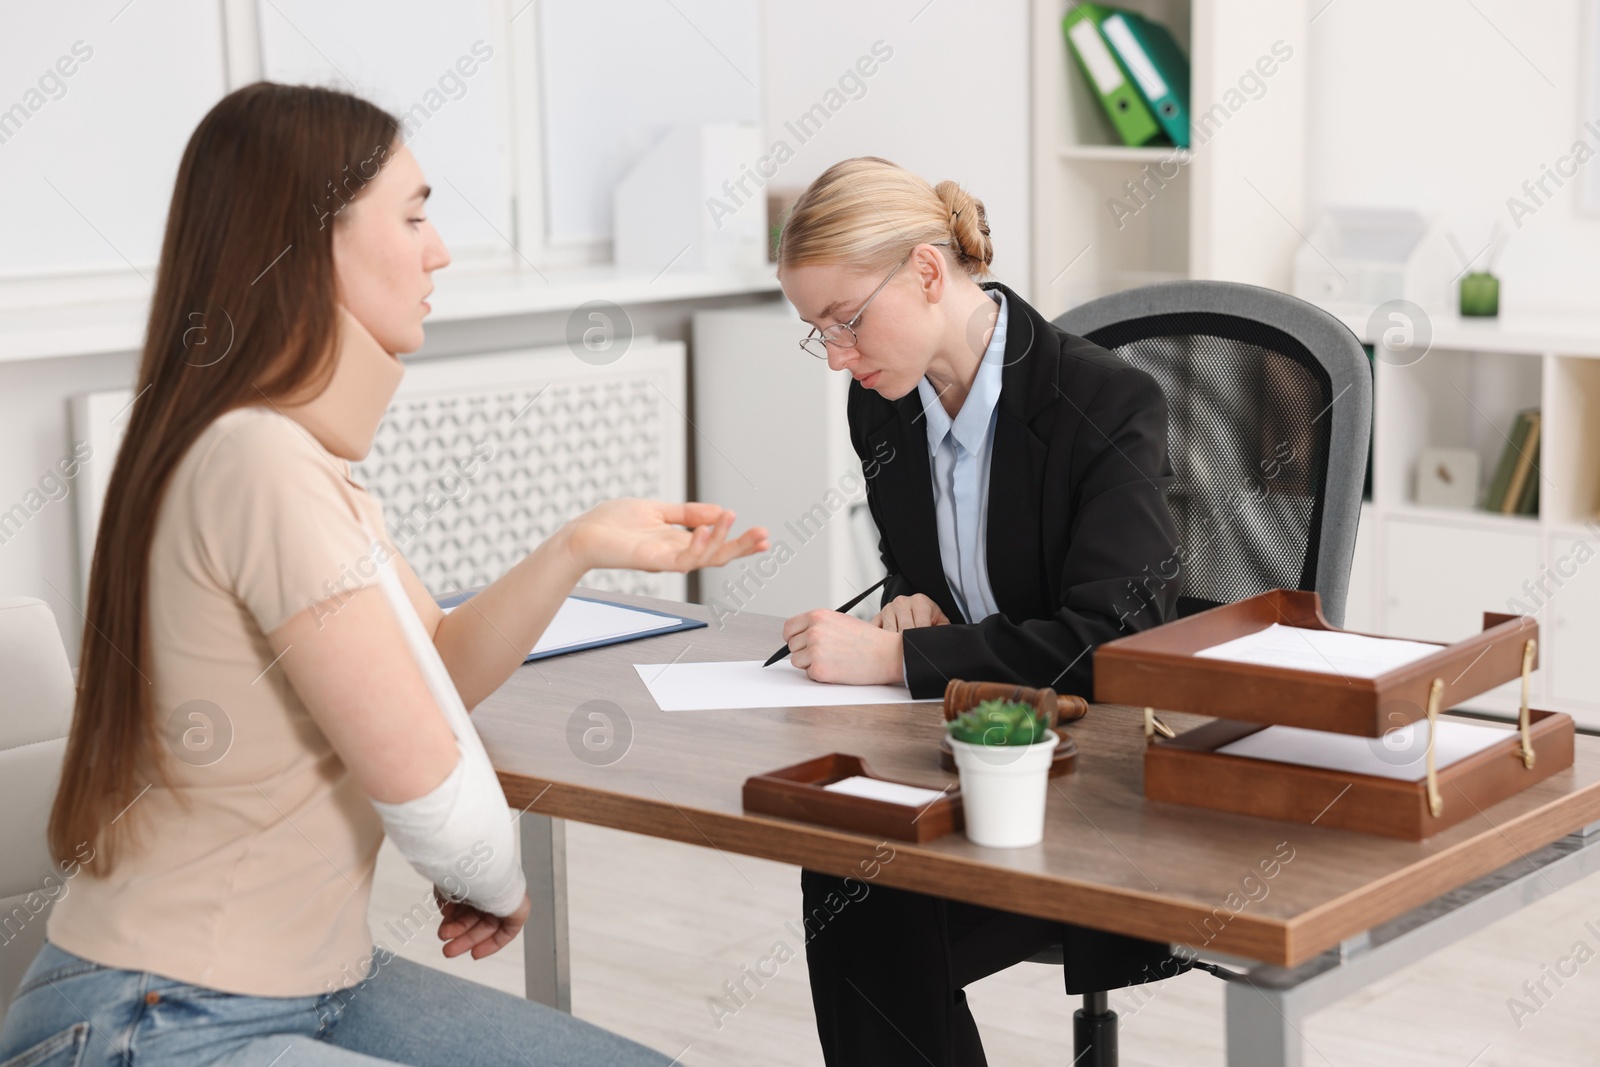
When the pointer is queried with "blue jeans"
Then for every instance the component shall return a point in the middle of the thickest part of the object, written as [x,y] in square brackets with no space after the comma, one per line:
[71,1011]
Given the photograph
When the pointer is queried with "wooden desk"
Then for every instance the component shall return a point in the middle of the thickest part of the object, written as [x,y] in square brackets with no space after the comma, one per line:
[1109,858]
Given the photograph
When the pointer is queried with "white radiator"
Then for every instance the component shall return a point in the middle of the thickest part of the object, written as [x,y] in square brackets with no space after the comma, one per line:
[480,458]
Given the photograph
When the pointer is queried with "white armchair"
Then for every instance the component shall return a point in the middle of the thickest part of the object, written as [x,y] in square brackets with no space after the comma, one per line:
[36,696]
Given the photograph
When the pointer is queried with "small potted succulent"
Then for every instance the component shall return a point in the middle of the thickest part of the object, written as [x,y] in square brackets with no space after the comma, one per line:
[1003,750]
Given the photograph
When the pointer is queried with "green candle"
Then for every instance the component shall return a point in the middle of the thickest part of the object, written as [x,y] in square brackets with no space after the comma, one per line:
[1480,294]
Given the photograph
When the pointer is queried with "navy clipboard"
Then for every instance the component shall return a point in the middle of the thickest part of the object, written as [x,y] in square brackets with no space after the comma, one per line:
[671,624]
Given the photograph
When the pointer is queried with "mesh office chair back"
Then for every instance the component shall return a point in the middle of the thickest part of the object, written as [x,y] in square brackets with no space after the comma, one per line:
[1269,404]
[1270,414]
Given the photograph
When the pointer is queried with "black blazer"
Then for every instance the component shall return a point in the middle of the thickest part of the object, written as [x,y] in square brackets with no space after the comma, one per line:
[1079,534]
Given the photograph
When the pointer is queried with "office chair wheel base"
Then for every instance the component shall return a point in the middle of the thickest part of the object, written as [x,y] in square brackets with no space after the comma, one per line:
[1094,1033]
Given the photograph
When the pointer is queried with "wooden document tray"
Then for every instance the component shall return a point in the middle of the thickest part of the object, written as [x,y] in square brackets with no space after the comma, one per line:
[1158,669]
[797,793]
[1188,770]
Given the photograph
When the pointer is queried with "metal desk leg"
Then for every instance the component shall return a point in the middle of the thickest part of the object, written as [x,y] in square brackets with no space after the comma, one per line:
[1262,1028]
[547,960]
[1265,1013]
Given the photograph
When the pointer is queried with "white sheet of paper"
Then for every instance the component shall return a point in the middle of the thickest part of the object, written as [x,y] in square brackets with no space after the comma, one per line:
[1400,754]
[1323,651]
[747,684]
[581,622]
[878,789]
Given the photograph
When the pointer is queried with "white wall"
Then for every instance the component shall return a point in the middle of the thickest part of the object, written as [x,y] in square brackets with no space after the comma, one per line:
[435,69]
[610,96]
[1450,107]
[951,102]
[98,102]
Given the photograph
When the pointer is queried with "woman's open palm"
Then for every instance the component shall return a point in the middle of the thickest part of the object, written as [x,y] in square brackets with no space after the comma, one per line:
[650,535]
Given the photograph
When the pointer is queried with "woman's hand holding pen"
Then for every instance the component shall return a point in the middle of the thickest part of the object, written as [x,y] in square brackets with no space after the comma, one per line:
[906,612]
[833,647]
[649,535]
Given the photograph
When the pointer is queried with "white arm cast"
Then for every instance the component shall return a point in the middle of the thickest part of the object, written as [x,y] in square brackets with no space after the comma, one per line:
[458,836]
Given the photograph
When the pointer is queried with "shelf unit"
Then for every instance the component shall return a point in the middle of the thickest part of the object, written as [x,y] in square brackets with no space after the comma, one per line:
[1171,199]
[1119,153]
[1233,209]
[1430,573]
[1081,248]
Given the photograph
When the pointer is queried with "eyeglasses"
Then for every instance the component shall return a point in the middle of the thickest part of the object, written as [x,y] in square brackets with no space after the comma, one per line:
[843,334]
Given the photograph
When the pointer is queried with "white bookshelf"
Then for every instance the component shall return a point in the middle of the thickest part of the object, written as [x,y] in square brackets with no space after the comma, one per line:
[1119,153]
[1235,211]
[1430,573]
[1082,249]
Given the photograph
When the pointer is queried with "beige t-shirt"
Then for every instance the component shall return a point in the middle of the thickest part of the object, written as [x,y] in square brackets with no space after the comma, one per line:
[260,886]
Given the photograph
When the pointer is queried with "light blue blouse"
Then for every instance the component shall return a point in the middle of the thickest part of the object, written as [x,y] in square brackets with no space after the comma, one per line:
[960,451]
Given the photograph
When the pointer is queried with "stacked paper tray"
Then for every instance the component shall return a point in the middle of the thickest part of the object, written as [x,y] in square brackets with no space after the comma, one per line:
[1162,668]
[1273,661]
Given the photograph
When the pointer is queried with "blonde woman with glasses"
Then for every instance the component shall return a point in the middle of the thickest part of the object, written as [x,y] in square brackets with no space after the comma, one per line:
[1019,517]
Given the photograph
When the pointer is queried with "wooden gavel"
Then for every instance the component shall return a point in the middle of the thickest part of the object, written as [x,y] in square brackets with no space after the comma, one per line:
[1056,707]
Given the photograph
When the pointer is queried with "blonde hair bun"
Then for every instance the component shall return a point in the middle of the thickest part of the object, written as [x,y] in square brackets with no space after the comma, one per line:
[969,224]
[869,212]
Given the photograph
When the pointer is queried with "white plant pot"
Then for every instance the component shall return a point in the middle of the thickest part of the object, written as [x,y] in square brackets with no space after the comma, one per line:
[1003,789]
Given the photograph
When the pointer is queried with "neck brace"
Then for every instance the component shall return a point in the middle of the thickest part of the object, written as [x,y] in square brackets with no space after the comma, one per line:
[344,419]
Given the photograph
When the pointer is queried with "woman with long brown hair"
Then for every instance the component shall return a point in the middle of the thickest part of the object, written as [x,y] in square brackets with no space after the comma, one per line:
[216,908]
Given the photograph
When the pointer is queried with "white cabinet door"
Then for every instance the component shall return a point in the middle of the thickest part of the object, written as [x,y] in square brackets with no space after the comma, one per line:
[773,444]
[1439,579]
[1574,614]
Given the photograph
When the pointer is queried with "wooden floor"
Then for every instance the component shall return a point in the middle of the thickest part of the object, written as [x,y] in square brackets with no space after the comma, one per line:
[657,928]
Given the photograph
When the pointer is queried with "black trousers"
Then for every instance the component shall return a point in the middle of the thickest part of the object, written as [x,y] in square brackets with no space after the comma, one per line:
[888,968]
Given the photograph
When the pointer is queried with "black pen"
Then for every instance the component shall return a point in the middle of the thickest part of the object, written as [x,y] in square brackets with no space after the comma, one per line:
[784,651]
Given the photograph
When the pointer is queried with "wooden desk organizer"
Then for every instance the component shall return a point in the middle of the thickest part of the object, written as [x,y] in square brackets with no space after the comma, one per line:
[1056,707]
[797,792]
[1158,669]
